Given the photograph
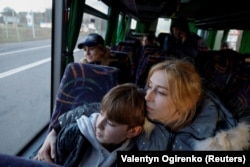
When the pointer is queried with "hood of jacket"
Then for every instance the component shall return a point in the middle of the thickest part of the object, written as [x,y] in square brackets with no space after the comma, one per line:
[234,139]
[97,154]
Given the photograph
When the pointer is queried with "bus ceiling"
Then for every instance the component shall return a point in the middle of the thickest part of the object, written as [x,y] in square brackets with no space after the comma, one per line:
[206,14]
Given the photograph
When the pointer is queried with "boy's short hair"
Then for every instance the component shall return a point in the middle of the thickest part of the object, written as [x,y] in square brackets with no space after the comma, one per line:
[125,104]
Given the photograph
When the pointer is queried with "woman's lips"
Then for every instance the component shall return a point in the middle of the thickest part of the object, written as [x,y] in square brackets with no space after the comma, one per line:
[149,109]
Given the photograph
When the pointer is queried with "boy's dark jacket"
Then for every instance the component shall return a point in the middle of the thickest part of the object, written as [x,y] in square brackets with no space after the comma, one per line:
[77,140]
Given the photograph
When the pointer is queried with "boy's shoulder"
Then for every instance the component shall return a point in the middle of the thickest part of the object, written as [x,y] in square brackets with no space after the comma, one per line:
[74,114]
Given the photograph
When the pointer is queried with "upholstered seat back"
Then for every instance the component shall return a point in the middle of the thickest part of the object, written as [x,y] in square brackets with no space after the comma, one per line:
[83,83]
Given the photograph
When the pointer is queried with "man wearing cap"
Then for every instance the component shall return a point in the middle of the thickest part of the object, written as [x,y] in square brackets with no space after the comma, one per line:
[95,51]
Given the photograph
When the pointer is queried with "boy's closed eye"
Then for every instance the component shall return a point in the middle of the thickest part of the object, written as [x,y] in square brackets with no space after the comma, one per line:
[111,123]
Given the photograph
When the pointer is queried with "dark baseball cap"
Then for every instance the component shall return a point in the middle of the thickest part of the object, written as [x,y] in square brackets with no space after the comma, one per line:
[91,39]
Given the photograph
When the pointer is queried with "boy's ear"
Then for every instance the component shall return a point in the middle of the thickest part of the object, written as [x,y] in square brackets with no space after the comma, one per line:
[134,131]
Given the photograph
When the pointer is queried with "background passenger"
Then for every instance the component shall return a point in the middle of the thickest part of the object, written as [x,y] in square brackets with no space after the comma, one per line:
[97,53]
[95,50]
[224,46]
[149,40]
[182,42]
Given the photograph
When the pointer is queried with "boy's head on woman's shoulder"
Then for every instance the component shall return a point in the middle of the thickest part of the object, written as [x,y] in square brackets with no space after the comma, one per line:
[122,114]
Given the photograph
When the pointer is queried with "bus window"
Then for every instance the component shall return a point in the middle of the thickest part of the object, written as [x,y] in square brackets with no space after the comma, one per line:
[218,38]
[234,39]
[90,24]
[163,26]
[99,5]
[25,55]
[133,24]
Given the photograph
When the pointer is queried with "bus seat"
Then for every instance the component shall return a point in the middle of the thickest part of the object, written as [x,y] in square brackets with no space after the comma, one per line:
[134,40]
[238,92]
[82,83]
[15,161]
[131,49]
[142,74]
[146,50]
[122,61]
[167,42]
[126,46]
[149,59]
[216,67]
[161,38]
[225,73]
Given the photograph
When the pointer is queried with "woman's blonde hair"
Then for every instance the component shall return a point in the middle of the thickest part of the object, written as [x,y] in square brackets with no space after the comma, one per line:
[125,104]
[106,56]
[184,88]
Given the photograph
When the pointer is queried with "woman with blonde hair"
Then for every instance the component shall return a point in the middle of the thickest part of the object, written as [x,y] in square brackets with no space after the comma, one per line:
[183,116]
[181,89]
[95,50]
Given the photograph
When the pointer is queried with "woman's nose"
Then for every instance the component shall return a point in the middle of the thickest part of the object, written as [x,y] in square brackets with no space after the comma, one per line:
[149,95]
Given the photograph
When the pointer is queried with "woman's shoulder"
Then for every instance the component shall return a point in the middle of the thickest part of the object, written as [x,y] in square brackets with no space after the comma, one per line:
[211,116]
[206,108]
[215,110]
[220,108]
[226,132]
